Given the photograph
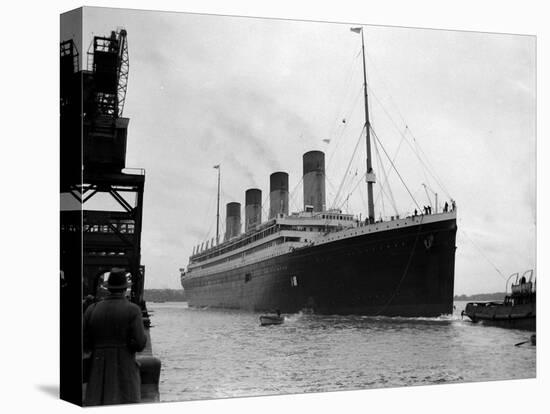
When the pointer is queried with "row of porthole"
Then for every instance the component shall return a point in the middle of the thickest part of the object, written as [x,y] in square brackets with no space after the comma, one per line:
[367,250]
[272,255]
[319,259]
[355,251]
[355,234]
[331,239]
[226,260]
[338,238]
[248,277]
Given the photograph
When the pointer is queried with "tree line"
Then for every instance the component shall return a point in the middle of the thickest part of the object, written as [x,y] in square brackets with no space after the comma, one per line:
[481,296]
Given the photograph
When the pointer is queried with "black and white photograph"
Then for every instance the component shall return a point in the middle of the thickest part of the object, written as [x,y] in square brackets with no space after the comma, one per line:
[274,206]
[280,207]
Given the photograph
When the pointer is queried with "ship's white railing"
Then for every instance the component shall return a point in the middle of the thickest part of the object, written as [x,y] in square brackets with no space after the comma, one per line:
[308,239]
[364,228]
[305,238]
[252,258]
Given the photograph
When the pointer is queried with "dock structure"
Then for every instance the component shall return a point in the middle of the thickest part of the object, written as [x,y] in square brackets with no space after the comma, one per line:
[93,171]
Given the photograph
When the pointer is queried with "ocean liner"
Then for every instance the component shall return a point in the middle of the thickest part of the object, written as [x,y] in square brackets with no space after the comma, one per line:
[323,260]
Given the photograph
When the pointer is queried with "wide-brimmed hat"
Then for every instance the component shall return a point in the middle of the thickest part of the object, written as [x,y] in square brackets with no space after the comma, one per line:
[117,279]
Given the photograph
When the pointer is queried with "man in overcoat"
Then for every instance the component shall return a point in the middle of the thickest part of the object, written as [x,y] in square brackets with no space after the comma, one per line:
[113,333]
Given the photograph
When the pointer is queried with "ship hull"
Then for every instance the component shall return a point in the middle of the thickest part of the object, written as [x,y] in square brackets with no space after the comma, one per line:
[400,272]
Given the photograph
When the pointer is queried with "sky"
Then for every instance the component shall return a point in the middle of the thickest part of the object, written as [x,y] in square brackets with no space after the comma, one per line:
[254,94]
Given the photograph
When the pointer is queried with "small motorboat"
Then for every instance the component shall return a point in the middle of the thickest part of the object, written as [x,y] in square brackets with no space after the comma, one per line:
[266,320]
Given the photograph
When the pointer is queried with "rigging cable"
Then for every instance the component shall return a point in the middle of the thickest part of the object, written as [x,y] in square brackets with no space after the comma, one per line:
[389,170]
[292,194]
[372,64]
[430,169]
[348,167]
[397,172]
[415,195]
[482,254]
[264,203]
[358,182]
[329,183]
[348,83]
[416,148]
[349,182]
[343,129]
[383,186]
[207,214]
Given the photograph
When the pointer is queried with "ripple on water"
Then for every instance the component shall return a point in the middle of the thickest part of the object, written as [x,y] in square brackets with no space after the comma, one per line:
[208,353]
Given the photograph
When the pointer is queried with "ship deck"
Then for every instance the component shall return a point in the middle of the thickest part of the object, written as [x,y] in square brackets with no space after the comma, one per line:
[286,241]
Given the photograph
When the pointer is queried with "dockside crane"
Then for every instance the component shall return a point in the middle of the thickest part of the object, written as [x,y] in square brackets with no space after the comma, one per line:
[93,162]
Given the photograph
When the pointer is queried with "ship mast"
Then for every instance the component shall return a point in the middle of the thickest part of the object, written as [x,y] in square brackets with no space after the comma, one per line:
[370,176]
[218,207]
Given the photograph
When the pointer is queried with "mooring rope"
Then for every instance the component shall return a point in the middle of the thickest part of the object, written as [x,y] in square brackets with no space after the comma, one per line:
[482,254]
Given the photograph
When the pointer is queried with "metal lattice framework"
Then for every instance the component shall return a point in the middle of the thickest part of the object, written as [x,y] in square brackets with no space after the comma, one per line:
[69,65]
[111,101]
[69,49]
[112,238]
[123,70]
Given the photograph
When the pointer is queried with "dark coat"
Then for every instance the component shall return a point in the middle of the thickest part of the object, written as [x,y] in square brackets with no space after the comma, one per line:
[113,333]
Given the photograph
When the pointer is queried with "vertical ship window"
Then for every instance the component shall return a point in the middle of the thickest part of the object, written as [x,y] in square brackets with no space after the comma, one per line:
[247,277]
[293,281]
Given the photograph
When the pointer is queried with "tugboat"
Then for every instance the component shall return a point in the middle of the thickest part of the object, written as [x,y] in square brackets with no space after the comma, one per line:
[518,310]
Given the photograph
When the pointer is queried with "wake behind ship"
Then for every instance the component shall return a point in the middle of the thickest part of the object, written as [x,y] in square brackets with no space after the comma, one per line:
[324,260]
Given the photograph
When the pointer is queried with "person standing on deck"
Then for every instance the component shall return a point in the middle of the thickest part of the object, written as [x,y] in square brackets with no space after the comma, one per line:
[113,333]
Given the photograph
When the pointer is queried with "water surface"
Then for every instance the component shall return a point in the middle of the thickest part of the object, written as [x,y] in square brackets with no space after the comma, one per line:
[208,353]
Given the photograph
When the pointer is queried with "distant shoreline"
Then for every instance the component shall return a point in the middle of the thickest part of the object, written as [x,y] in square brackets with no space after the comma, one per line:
[178,295]
[481,296]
